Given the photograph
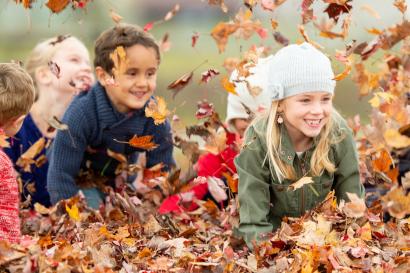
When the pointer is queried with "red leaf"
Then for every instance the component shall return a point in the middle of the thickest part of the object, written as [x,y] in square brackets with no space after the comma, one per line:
[195,38]
[334,10]
[180,83]
[205,109]
[148,26]
[280,38]
[209,75]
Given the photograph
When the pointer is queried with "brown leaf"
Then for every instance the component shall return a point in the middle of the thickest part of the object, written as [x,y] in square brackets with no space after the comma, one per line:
[142,142]
[280,38]
[165,43]
[57,5]
[220,3]
[205,109]
[194,39]
[27,158]
[54,68]
[221,33]
[177,85]
[355,208]
[307,12]
[334,10]
[346,71]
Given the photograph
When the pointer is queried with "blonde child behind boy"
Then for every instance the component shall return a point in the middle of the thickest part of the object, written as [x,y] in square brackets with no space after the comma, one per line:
[16,97]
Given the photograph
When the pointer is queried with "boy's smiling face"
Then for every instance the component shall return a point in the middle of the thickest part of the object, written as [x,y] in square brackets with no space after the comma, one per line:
[135,84]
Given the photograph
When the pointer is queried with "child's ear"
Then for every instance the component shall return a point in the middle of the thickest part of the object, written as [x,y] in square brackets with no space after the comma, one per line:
[19,120]
[102,76]
[43,75]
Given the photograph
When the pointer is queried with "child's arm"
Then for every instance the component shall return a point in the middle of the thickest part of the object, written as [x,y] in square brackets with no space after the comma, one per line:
[67,153]
[347,178]
[163,153]
[253,188]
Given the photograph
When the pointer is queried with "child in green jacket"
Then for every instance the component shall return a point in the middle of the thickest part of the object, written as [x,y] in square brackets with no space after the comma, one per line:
[302,135]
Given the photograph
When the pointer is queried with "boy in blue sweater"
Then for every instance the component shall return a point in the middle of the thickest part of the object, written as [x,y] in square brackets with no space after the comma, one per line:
[126,64]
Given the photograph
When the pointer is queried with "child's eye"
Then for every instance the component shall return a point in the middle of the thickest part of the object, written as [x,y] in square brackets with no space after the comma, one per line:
[326,99]
[75,60]
[305,100]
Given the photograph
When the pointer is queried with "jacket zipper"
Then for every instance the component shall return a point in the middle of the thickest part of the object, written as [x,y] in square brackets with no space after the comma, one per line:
[302,164]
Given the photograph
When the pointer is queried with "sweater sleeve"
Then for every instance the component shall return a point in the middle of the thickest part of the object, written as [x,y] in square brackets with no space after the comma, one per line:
[253,189]
[347,178]
[66,155]
[163,153]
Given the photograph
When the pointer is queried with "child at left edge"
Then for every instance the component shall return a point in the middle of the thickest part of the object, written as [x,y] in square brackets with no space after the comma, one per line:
[16,98]
[113,109]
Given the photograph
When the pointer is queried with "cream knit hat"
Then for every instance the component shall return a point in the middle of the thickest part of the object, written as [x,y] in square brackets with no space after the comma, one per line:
[296,69]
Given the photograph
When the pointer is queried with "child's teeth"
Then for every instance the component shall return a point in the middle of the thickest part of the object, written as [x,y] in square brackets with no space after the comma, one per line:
[313,122]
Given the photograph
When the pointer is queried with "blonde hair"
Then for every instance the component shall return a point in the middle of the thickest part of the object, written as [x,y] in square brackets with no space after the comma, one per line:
[43,53]
[319,162]
[16,92]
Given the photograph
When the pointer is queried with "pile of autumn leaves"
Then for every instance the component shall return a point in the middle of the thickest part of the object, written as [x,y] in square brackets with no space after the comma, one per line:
[128,236]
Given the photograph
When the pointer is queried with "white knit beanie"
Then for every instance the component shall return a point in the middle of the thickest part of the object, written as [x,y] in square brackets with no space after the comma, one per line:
[296,69]
[256,104]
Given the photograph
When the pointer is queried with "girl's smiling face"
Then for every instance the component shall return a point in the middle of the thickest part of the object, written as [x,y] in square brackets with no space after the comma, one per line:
[306,114]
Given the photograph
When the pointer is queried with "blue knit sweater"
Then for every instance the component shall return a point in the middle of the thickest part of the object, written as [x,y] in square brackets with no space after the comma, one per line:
[19,144]
[94,123]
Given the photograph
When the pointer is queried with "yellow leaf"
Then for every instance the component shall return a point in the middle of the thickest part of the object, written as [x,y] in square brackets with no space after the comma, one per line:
[41,209]
[228,86]
[73,212]
[374,31]
[346,71]
[395,139]
[366,232]
[157,110]
[119,58]
[3,141]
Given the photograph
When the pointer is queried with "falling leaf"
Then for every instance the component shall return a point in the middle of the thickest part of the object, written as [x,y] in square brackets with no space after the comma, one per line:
[57,5]
[401,5]
[157,109]
[142,142]
[205,109]
[119,58]
[194,39]
[228,86]
[54,68]
[117,156]
[374,31]
[27,158]
[148,26]
[73,212]
[280,38]
[268,5]
[209,75]
[172,13]
[115,16]
[221,33]
[300,183]
[346,71]
[334,10]
[220,3]
[307,39]
[371,11]
[273,23]
[232,182]
[180,83]
[165,43]
[307,12]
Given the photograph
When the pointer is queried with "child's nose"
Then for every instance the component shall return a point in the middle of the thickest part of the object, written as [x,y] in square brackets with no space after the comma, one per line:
[317,108]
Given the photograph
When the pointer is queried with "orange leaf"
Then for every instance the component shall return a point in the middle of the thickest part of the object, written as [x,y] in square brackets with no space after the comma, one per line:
[232,182]
[119,58]
[228,86]
[27,158]
[115,16]
[221,33]
[374,31]
[382,162]
[142,142]
[57,5]
[3,141]
[346,71]
[393,174]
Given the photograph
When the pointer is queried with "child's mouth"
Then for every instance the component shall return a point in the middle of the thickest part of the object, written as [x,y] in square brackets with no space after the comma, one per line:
[315,123]
[138,94]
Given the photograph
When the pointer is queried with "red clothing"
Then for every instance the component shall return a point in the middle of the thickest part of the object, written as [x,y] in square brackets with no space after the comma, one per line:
[9,201]
[208,165]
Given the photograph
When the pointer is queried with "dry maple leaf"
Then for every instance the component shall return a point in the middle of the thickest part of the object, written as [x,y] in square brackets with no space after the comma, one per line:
[307,12]
[395,139]
[3,141]
[280,38]
[205,109]
[397,202]
[177,85]
[27,158]
[307,39]
[346,71]
[119,58]
[220,3]
[26,3]
[142,142]
[57,5]
[334,10]
[157,109]
[301,183]
[221,33]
